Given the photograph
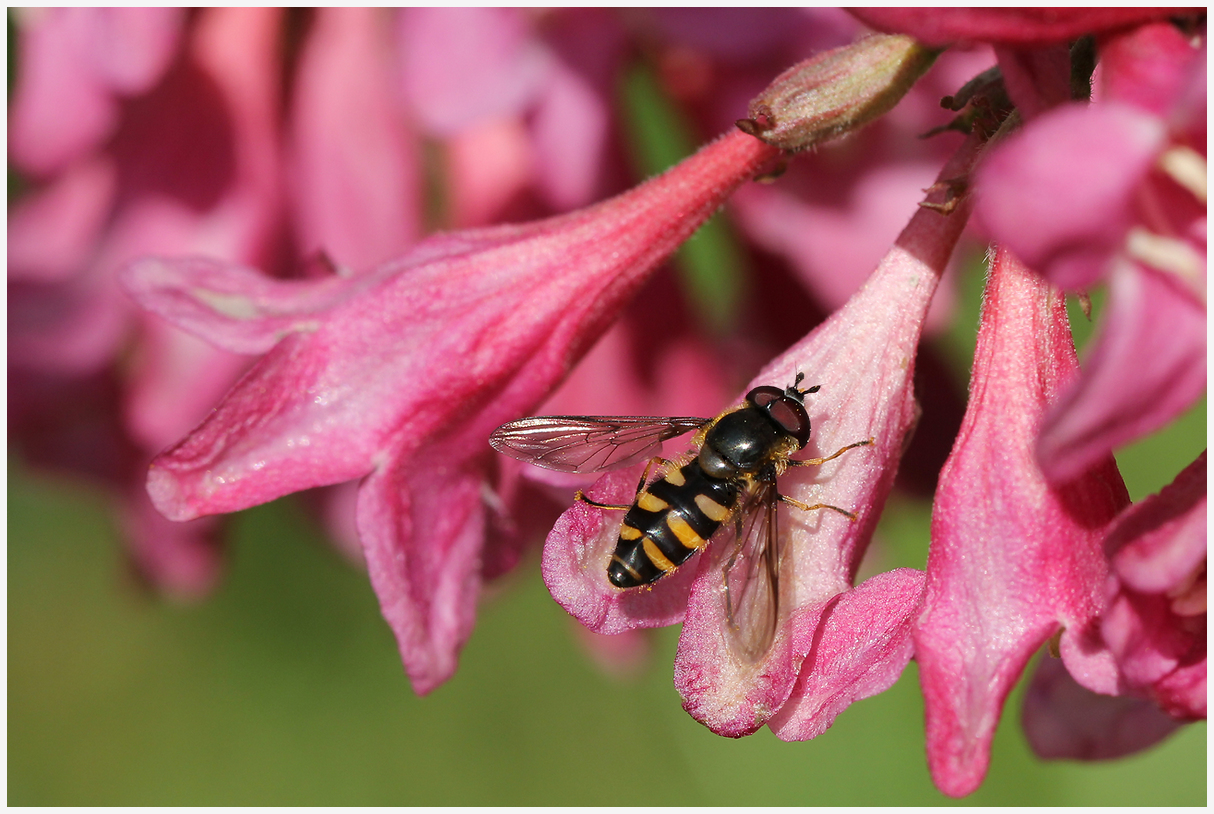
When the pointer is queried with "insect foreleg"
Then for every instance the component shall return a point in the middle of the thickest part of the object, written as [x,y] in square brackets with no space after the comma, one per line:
[820,461]
[806,507]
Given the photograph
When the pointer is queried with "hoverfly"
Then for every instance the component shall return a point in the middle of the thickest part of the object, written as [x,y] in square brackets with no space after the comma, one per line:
[725,487]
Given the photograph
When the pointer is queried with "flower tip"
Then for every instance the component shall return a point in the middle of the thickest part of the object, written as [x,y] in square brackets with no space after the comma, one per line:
[167,496]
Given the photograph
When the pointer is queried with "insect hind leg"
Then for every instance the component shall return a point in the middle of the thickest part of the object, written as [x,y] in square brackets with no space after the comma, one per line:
[580,495]
[808,508]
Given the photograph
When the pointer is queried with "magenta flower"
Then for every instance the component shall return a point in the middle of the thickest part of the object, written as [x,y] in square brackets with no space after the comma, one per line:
[1155,623]
[836,643]
[1014,560]
[1132,212]
[398,376]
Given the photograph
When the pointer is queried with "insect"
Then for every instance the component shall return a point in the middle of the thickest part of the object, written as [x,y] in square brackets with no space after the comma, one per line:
[725,487]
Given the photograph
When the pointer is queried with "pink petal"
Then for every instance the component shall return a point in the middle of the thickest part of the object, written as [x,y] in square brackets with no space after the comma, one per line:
[130,48]
[1064,721]
[233,307]
[1147,66]
[576,555]
[421,523]
[461,66]
[60,109]
[1160,541]
[1152,327]
[1013,559]
[1060,194]
[53,232]
[1020,26]
[356,188]
[860,648]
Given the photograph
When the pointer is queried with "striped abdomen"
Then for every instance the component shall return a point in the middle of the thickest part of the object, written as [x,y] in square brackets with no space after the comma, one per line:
[673,518]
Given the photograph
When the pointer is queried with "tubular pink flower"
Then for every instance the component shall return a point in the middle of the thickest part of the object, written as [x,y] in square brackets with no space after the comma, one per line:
[1156,620]
[398,376]
[1013,560]
[835,643]
[1116,191]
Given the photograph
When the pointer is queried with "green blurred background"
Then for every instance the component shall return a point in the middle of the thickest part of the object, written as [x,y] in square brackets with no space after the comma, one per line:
[285,688]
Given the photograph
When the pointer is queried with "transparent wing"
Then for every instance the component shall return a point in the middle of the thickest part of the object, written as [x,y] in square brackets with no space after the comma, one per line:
[752,575]
[588,443]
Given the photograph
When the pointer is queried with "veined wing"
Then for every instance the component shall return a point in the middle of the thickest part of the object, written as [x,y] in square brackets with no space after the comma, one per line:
[589,443]
[752,575]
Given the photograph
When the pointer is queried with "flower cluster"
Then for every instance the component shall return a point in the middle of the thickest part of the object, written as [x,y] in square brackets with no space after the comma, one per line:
[278,227]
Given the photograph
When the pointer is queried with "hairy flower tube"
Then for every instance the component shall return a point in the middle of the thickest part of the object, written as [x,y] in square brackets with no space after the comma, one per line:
[835,643]
[1014,559]
[397,377]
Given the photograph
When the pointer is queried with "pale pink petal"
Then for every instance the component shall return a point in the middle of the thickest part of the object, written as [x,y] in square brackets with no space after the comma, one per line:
[1013,559]
[1160,541]
[130,48]
[60,109]
[1061,204]
[571,127]
[1153,327]
[461,66]
[859,649]
[575,561]
[53,232]
[1064,721]
[357,185]
[234,307]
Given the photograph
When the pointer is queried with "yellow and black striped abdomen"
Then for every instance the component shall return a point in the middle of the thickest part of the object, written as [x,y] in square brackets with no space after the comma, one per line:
[672,518]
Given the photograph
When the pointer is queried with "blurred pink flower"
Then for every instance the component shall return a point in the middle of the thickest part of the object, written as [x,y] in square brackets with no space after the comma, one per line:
[185,163]
[1014,560]
[1116,191]
[1155,623]
[398,377]
[837,643]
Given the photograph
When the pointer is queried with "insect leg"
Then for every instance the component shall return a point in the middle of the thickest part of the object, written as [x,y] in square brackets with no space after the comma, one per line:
[820,461]
[806,507]
[580,496]
[640,488]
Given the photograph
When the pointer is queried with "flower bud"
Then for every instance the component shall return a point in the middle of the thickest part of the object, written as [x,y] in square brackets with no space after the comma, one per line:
[836,92]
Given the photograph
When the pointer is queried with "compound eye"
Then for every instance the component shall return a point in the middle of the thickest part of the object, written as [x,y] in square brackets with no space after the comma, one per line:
[791,416]
[763,396]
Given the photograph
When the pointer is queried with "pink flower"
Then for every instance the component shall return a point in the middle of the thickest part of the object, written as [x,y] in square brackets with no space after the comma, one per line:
[836,643]
[398,376]
[1116,191]
[1155,623]
[1014,560]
